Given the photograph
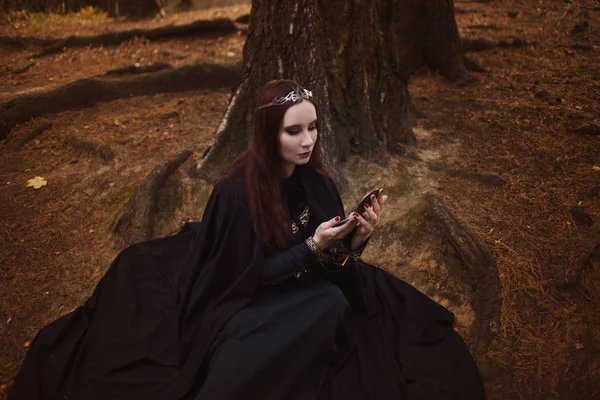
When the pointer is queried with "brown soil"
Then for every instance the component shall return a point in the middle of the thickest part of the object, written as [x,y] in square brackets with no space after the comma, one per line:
[56,242]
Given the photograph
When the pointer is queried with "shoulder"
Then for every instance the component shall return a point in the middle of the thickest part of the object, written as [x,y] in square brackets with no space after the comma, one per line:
[312,176]
[330,184]
[233,186]
[229,193]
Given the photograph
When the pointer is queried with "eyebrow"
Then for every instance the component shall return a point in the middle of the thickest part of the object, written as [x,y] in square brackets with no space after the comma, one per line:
[298,125]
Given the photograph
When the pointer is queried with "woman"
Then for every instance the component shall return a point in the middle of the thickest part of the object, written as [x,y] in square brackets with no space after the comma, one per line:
[264,299]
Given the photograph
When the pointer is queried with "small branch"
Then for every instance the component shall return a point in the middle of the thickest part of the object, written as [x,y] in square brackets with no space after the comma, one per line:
[138,69]
[562,17]
[488,178]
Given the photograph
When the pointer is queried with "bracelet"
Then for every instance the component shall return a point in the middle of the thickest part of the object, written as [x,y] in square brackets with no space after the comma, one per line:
[310,242]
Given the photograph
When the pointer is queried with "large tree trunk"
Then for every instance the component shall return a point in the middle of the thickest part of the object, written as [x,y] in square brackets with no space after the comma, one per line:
[356,57]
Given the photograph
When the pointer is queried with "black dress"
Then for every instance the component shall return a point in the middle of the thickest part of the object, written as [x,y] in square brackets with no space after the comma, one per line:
[208,314]
[283,343]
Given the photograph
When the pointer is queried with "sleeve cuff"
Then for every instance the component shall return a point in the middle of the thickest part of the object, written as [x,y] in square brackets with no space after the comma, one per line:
[317,252]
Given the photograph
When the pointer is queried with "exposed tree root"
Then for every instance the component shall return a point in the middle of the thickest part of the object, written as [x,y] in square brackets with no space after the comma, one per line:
[547,97]
[243,19]
[591,129]
[587,261]
[465,80]
[220,26]
[138,69]
[485,44]
[488,178]
[591,193]
[19,69]
[472,65]
[169,115]
[584,47]
[485,27]
[480,267]
[581,216]
[137,223]
[88,92]
[465,11]
[35,132]
[90,146]
[24,42]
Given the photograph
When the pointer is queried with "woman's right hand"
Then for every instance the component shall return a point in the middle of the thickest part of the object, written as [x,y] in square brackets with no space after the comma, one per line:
[326,234]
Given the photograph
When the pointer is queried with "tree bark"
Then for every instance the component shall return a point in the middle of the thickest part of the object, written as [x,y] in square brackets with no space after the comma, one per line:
[355,56]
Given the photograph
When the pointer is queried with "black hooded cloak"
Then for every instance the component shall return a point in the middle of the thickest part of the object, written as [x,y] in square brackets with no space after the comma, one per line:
[152,325]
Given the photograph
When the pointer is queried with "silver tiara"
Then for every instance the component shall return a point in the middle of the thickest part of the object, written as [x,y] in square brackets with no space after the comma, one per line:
[292,96]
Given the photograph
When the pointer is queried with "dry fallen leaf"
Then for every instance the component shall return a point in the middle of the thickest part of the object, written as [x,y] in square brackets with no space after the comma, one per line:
[579,346]
[9,320]
[27,344]
[596,168]
[37,182]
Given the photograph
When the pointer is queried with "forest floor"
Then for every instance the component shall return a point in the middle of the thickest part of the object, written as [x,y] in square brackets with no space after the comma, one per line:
[520,120]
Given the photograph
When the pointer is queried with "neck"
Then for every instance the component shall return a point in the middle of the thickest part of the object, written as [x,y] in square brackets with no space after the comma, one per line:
[288,169]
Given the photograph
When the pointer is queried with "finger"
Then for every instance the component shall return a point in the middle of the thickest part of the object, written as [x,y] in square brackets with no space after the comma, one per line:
[375,204]
[365,215]
[335,230]
[347,227]
[383,200]
[371,214]
[332,222]
[364,224]
[343,230]
[381,205]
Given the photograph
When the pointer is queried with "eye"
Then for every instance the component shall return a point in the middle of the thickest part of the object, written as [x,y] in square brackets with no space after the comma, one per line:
[292,131]
[312,127]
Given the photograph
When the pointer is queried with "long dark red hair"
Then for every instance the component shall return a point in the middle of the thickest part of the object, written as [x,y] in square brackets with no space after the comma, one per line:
[262,166]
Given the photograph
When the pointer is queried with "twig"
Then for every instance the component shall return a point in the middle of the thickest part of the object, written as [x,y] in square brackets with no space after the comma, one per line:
[162,9]
[563,16]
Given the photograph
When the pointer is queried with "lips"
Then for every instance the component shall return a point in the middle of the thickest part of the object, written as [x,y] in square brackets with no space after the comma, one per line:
[304,155]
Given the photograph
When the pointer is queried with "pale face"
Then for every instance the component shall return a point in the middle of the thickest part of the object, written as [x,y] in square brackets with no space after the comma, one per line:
[298,135]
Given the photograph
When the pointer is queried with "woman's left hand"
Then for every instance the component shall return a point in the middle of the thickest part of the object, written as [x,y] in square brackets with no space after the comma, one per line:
[368,220]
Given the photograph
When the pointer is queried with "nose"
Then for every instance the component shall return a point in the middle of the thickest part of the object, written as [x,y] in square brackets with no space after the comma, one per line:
[307,140]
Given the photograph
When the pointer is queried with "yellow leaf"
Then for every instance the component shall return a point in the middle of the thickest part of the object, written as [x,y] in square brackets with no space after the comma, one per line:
[37,182]
[579,346]
[596,168]
[27,344]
